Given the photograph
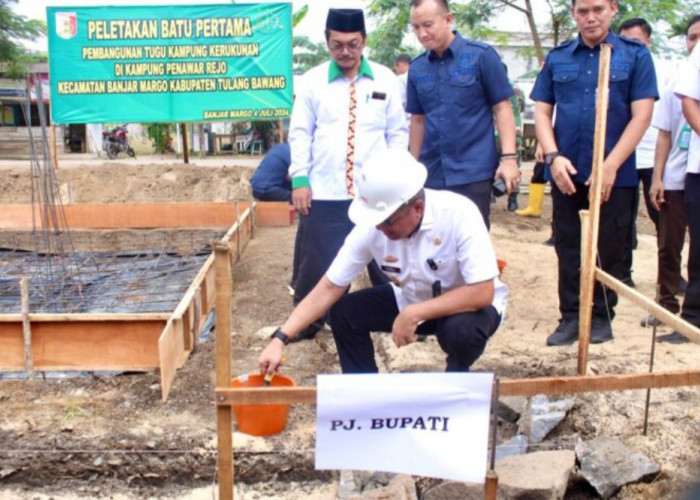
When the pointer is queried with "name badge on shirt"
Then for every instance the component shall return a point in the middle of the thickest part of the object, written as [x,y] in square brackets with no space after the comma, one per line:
[379,95]
[684,138]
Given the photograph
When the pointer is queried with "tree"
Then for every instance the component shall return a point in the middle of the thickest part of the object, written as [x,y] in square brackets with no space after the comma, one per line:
[14,29]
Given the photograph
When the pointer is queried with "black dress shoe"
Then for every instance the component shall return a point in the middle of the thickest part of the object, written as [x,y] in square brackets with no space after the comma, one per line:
[565,334]
[601,330]
[627,280]
[550,241]
[673,338]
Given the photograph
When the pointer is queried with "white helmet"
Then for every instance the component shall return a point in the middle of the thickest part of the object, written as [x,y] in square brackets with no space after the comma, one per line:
[387,180]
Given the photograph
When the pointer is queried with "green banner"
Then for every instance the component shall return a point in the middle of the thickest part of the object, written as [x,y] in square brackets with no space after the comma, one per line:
[170,63]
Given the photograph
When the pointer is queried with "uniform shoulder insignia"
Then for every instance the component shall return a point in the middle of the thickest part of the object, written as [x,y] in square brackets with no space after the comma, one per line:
[419,56]
[631,41]
[563,45]
[477,43]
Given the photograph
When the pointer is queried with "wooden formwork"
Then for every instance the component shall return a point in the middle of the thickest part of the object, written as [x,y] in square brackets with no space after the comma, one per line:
[130,342]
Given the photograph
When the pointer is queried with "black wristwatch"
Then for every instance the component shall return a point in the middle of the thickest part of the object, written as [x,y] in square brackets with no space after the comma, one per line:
[279,334]
[549,157]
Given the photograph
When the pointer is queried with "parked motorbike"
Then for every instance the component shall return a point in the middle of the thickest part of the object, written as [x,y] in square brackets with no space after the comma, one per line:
[116,140]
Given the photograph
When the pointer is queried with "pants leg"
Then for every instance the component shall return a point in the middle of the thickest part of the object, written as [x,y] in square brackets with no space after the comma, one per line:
[323,232]
[645,176]
[538,174]
[464,336]
[480,194]
[297,256]
[691,303]
[671,235]
[631,236]
[352,319]
[566,228]
[615,218]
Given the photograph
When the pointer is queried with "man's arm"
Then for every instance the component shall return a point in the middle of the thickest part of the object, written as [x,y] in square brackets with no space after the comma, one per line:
[691,111]
[463,299]
[416,133]
[396,126]
[302,126]
[317,302]
[663,148]
[505,123]
[561,168]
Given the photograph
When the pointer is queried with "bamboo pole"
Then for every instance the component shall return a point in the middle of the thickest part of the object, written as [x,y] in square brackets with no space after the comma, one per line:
[590,236]
[185,147]
[26,327]
[52,146]
[224,430]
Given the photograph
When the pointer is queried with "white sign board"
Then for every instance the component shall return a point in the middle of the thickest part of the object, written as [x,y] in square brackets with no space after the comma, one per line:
[425,424]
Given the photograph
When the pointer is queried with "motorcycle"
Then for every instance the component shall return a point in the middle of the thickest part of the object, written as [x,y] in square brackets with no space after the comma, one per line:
[116,140]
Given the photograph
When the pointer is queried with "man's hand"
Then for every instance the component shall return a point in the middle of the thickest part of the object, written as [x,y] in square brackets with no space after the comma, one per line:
[403,331]
[656,193]
[562,169]
[607,182]
[301,197]
[271,358]
[539,154]
[508,170]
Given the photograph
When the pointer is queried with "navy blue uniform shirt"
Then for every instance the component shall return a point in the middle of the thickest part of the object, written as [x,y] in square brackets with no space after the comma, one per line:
[456,93]
[269,182]
[569,79]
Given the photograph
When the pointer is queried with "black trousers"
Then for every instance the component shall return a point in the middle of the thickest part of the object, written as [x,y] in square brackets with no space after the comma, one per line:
[321,233]
[538,174]
[615,218]
[480,194]
[462,336]
[691,303]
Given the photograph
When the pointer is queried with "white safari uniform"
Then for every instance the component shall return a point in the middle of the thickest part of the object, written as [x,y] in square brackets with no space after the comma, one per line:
[668,116]
[318,130]
[688,85]
[447,237]
[644,153]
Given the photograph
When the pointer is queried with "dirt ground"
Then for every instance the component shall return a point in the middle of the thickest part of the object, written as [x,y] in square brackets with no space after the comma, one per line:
[112,437]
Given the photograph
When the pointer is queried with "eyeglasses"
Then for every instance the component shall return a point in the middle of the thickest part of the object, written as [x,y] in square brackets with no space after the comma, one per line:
[395,216]
[353,46]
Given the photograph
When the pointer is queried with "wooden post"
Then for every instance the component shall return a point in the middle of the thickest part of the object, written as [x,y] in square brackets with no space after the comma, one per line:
[26,327]
[185,147]
[491,486]
[52,146]
[224,429]
[280,127]
[589,240]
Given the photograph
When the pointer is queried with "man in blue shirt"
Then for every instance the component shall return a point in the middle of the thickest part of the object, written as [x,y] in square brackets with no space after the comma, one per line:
[270,181]
[569,80]
[454,90]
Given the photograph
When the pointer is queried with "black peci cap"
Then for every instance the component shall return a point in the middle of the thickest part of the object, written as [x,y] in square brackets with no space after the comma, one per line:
[345,20]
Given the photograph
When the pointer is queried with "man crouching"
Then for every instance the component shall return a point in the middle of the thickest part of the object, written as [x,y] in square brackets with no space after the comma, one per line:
[436,251]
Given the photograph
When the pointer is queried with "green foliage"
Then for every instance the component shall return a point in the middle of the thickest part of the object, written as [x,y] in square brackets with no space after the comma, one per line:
[13,29]
[159,133]
[308,54]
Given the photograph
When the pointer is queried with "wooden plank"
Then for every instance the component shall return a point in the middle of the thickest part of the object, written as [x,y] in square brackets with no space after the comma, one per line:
[590,234]
[91,317]
[224,429]
[168,357]
[649,306]
[598,383]
[273,213]
[514,387]
[124,215]
[85,345]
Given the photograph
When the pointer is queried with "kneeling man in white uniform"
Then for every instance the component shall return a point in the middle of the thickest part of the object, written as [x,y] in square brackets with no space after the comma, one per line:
[436,251]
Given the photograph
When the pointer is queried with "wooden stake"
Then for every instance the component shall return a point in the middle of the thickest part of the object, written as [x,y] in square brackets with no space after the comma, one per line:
[224,430]
[280,130]
[589,239]
[491,486]
[26,327]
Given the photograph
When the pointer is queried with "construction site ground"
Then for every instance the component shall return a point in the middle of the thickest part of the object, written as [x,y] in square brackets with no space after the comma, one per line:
[112,437]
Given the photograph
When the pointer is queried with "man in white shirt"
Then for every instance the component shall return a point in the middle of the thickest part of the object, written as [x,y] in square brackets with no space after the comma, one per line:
[344,110]
[668,188]
[687,89]
[639,29]
[443,271]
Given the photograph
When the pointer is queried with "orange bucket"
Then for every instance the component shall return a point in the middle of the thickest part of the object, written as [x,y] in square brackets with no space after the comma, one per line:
[261,420]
